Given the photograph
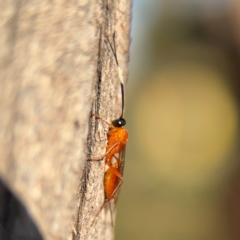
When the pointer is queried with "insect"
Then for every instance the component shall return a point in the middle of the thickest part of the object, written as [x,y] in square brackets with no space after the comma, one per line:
[117,140]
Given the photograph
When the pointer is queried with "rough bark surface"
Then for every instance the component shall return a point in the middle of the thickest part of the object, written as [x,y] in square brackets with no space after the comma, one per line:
[55,71]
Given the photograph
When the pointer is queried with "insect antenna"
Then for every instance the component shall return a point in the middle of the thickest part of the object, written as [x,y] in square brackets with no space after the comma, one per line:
[114,51]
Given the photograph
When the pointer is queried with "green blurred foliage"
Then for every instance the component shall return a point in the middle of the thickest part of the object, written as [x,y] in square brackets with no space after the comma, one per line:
[181,173]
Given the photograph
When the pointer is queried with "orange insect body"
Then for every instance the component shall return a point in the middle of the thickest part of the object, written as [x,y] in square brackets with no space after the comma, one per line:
[111,185]
[117,140]
[110,182]
[117,135]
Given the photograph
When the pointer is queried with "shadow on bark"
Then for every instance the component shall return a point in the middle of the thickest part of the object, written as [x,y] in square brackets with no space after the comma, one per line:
[15,222]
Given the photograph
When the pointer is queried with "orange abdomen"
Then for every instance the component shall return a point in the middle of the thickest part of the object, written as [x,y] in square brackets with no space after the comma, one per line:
[110,183]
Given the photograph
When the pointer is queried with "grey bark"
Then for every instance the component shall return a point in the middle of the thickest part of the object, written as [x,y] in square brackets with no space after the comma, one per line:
[56,70]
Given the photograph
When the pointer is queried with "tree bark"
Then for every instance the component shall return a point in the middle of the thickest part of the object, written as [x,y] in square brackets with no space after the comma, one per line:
[56,70]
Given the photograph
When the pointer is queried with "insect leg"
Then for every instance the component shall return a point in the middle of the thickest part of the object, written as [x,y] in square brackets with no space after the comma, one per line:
[97,116]
[117,187]
[109,150]
[114,170]
[108,200]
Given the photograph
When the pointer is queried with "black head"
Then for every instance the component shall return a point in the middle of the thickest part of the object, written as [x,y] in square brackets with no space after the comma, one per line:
[120,122]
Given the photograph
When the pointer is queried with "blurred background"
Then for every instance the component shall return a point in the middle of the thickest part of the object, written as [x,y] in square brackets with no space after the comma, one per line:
[182,171]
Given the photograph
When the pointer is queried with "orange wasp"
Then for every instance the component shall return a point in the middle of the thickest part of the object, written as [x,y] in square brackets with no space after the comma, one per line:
[117,140]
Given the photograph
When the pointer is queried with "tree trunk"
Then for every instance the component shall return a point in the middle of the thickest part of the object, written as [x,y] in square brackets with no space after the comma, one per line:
[56,70]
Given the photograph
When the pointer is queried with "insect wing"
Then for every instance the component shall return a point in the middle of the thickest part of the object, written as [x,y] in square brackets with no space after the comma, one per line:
[122,160]
[120,169]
